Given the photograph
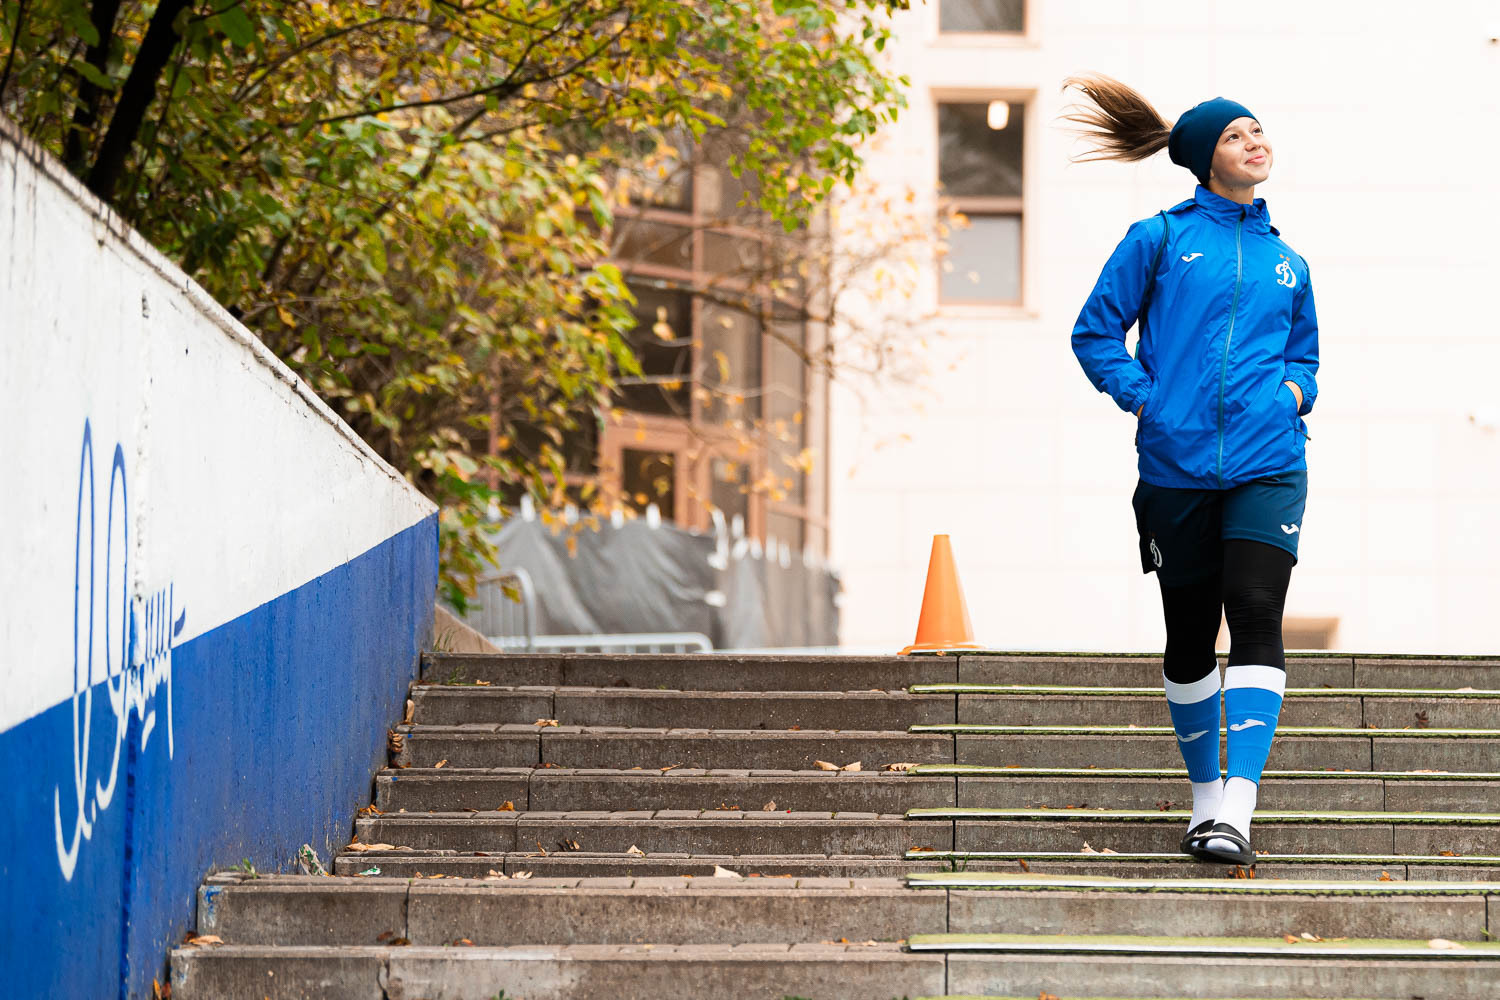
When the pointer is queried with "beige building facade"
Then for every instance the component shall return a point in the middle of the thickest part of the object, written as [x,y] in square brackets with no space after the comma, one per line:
[1382,117]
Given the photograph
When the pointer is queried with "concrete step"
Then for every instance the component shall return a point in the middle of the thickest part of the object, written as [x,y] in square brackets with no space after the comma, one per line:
[1132,864]
[440,705]
[1272,831]
[575,864]
[1139,966]
[686,831]
[1304,670]
[1385,708]
[286,910]
[1123,788]
[572,789]
[665,709]
[1186,907]
[1295,748]
[775,672]
[692,671]
[557,972]
[449,789]
[620,748]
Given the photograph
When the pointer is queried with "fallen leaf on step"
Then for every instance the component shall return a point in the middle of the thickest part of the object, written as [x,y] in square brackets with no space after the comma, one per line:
[1108,850]
[850,767]
[902,766]
[1385,877]
[569,845]
[720,872]
[1422,720]
[506,806]
[494,875]
[205,940]
[1310,937]
[368,810]
[411,708]
[545,722]
[1444,944]
[921,848]
[1087,849]
[357,846]
[823,765]
[520,874]
[395,740]
[1447,854]
[669,767]
[484,684]
[632,849]
[769,806]
[1289,939]
[464,941]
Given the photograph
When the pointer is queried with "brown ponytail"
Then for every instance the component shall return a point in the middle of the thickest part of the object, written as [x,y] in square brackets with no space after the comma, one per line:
[1122,125]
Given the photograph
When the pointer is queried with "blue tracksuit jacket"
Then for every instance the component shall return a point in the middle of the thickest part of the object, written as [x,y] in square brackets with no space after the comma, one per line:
[1230,319]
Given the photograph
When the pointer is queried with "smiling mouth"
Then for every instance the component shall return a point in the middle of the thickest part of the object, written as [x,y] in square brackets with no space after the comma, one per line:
[1258,159]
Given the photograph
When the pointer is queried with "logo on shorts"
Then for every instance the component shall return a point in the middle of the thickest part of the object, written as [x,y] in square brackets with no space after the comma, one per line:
[1290,529]
[1155,554]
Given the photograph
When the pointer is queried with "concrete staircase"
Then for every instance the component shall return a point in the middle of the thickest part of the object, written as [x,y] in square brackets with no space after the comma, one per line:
[660,826]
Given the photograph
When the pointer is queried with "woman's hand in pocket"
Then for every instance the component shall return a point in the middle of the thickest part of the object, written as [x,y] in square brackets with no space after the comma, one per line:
[1296,392]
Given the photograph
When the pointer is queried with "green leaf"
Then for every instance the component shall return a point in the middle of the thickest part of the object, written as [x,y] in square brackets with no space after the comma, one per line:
[237,27]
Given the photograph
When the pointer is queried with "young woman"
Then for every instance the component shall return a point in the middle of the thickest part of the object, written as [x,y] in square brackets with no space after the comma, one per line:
[1224,370]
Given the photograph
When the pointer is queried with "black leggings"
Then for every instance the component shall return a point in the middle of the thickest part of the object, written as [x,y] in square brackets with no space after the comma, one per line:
[1250,590]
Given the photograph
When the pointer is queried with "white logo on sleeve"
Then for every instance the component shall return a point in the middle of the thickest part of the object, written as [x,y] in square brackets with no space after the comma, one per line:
[1190,737]
[1189,258]
[1241,726]
[1155,554]
[1284,275]
[1290,529]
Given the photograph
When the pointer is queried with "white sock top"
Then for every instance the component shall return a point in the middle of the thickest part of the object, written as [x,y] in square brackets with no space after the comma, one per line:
[1254,675]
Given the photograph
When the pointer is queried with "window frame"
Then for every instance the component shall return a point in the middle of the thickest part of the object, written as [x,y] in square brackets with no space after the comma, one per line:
[982,205]
[1025,38]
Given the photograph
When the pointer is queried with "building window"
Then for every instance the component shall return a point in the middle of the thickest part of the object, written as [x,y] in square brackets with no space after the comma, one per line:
[1008,16]
[726,415]
[980,146]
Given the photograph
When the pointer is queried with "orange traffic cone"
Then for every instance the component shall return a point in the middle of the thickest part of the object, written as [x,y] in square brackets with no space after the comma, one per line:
[944,624]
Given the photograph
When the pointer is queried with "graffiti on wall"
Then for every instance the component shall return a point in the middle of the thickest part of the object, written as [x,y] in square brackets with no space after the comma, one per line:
[122,651]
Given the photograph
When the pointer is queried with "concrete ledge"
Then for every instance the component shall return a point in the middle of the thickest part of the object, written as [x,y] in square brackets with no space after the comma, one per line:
[568,972]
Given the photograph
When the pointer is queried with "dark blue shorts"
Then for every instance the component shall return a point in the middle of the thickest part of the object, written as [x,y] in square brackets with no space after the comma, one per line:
[1182,531]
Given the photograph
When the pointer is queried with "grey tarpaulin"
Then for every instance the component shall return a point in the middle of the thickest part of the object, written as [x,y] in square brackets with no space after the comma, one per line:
[633,577]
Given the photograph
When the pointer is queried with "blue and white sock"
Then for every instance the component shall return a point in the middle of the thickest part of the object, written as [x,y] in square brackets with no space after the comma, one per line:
[1252,704]
[1195,718]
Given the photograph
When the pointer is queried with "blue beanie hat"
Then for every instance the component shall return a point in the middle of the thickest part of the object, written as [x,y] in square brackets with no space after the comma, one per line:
[1197,133]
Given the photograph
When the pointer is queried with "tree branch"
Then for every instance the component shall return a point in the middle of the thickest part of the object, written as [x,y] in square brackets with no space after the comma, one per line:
[86,114]
[135,97]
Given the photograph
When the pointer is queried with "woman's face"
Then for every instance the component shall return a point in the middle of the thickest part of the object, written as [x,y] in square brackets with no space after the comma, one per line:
[1243,156]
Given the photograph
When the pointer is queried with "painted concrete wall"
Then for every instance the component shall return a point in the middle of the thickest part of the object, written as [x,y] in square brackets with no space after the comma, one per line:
[1378,118]
[215,596]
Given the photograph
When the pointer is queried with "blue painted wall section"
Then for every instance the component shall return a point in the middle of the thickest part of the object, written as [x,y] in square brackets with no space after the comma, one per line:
[263,734]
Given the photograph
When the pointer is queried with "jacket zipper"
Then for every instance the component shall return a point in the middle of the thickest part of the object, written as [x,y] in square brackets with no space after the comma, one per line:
[1239,270]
